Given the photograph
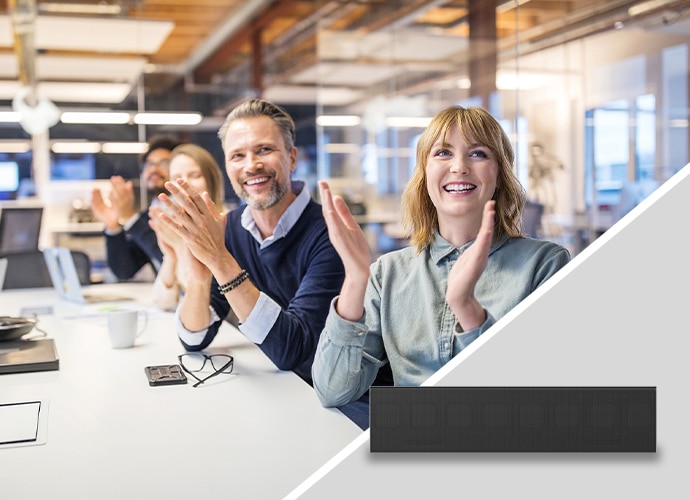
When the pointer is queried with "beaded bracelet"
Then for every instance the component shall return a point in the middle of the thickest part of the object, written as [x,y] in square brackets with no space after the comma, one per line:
[233,283]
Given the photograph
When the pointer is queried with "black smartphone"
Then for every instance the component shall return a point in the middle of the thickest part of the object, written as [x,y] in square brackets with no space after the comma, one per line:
[165,375]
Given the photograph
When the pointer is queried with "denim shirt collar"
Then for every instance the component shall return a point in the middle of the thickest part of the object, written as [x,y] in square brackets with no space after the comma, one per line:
[441,248]
[286,221]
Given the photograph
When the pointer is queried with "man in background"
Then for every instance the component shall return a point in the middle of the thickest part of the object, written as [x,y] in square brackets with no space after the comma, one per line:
[130,242]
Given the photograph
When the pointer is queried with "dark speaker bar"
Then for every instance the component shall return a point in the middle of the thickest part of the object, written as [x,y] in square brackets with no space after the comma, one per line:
[512,419]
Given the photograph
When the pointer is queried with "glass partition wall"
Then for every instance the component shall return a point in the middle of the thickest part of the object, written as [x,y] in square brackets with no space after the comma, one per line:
[593,95]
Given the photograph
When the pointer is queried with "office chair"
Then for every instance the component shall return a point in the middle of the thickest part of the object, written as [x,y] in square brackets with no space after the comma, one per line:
[29,269]
[83,264]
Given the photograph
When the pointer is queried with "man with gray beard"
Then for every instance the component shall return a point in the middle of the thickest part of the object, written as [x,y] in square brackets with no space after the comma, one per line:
[270,265]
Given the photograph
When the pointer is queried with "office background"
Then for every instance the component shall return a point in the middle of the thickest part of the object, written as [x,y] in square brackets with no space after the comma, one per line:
[594,95]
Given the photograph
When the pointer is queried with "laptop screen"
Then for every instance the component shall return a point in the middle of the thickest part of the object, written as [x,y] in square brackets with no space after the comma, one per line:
[63,274]
[20,228]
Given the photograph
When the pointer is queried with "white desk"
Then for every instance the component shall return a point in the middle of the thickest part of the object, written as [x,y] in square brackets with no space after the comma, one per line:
[257,433]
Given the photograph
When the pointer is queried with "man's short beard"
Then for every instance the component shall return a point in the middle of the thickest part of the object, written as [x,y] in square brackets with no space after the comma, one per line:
[278,191]
[156,190]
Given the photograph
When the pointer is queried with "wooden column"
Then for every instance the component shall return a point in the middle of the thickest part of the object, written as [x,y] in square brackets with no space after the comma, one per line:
[483,57]
[257,62]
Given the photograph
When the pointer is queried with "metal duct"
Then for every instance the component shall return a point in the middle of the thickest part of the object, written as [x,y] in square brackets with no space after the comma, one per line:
[38,115]
[23,15]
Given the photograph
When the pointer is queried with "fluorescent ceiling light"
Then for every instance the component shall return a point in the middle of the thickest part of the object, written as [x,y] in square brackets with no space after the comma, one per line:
[338,120]
[340,48]
[8,66]
[523,80]
[8,89]
[343,74]
[14,146]
[10,116]
[391,121]
[167,118]
[395,152]
[408,121]
[81,92]
[509,5]
[111,93]
[53,67]
[107,35]
[310,94]
[80,8]
[76,147]
[644,7]
[114,35]
[101,117]
[124,147]
[348,148]
[462,82]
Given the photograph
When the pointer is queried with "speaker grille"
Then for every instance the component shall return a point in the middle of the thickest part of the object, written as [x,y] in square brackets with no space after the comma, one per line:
[513,419]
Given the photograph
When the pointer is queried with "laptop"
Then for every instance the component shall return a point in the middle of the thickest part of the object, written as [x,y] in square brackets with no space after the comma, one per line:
[63,274]
[19,356]
[20,228]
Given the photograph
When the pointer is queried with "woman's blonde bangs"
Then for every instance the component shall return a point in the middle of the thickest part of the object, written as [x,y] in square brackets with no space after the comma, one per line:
[419,216]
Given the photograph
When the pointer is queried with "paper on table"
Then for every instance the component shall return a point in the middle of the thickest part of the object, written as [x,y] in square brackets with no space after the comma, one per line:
[19,423]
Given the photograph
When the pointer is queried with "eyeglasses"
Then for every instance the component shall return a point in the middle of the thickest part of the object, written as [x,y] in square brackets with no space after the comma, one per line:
[165,163]
[194,363]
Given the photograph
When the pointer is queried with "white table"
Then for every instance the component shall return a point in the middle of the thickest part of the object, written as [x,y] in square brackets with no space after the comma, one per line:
[257,433]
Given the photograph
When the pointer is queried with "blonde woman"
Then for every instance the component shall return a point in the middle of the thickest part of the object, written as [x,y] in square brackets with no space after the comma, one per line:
[200,170]
[468,264]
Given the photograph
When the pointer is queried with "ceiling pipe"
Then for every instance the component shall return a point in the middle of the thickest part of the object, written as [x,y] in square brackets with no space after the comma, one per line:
[37,115]
[23,15]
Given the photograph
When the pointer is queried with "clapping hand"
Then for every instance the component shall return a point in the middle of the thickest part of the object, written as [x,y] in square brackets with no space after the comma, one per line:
[168,241]
[349,241]
[196,220]
[466,271]
[118,206]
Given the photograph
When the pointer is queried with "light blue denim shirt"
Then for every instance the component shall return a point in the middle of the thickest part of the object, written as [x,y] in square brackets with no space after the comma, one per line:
[407,321]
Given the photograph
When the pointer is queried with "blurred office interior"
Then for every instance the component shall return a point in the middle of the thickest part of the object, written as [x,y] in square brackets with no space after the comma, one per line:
[594,96]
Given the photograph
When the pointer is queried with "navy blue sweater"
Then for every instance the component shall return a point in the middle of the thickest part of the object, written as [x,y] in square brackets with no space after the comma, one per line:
[301,272]
[129,251]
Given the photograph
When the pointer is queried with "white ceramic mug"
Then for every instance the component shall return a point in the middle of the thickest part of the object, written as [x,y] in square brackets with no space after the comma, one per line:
[124,326]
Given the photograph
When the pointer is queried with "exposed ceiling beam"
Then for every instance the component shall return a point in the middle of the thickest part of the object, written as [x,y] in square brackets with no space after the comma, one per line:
[227,31]
[243,34]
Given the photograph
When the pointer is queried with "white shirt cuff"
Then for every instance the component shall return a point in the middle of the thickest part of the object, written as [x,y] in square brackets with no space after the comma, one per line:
[113,232]
[261,319]
[130,222]
[189,337]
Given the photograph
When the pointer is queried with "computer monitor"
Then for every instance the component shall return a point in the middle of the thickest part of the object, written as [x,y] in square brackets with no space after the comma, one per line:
[20,228]
[73,167]
[9,180]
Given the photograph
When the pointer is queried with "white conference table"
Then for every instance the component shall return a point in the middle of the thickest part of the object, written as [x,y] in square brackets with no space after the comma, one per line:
[257,433]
